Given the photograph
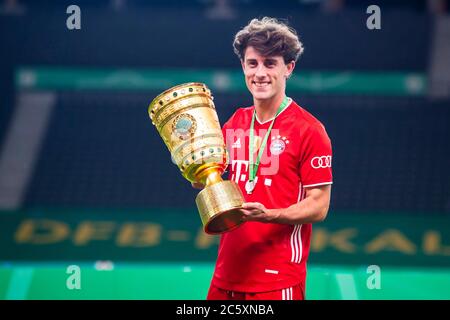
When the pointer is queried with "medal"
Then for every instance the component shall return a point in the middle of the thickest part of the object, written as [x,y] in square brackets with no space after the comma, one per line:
[250,186]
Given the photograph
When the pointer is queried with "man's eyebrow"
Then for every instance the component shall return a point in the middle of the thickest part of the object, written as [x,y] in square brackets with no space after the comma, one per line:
[273,60]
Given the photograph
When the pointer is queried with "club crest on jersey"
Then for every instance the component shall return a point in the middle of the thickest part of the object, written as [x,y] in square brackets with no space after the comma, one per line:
[278,145]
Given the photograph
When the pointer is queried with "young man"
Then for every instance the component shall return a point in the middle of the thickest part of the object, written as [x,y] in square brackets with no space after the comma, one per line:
[280,156]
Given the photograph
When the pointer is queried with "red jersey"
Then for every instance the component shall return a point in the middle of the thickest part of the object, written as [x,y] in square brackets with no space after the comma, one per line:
[256,256]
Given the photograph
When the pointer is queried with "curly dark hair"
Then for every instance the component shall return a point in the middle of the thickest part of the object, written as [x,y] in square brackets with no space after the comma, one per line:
[269,37]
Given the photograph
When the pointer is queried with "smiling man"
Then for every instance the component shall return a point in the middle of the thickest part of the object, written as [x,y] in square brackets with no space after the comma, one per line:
[280,156]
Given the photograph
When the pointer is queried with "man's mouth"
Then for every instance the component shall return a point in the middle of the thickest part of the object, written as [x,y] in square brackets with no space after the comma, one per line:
[261,84]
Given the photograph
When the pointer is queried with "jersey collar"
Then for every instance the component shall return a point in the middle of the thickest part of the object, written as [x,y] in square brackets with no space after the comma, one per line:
[268,120]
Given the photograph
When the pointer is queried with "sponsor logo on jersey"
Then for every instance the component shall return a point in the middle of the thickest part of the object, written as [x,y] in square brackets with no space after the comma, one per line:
[237,144]
[321,162]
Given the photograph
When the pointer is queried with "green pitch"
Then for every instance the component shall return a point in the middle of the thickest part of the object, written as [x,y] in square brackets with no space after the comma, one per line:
[191,281]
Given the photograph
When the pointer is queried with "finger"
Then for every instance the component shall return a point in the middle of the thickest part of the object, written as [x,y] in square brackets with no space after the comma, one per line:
[249,217]
[251,205]
[246,212]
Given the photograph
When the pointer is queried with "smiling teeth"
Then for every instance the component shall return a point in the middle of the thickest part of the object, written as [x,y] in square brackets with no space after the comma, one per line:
[261,84]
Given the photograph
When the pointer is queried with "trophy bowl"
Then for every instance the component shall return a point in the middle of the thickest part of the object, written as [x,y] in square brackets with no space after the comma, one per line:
[186,119]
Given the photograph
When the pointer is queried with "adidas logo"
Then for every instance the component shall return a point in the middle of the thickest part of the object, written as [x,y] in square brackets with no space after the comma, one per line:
[237,144]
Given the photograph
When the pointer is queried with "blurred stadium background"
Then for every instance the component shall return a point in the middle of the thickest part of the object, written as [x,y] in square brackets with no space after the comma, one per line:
[86,180]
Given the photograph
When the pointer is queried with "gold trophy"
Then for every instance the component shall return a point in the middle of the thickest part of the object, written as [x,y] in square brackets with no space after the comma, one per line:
[186,119]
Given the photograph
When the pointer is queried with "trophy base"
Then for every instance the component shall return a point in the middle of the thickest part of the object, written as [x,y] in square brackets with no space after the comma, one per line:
[219,205]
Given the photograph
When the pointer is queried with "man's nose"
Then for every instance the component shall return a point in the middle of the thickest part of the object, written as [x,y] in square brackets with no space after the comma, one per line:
[260,72]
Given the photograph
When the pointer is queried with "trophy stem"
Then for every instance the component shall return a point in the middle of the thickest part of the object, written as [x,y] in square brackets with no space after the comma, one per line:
[209,176]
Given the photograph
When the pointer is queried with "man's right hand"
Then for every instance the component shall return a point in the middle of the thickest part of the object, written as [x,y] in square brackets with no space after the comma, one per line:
[197,185]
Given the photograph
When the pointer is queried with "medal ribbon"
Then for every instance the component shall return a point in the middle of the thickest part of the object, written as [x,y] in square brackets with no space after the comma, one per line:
[254,166]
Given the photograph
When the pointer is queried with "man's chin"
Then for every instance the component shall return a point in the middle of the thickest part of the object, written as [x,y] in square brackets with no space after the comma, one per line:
[261,95]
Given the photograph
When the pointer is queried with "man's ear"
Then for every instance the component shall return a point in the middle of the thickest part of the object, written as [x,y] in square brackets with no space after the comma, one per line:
[290,69]
[243,65]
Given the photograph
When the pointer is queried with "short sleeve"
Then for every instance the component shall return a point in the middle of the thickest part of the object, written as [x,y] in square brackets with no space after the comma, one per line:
[316,158]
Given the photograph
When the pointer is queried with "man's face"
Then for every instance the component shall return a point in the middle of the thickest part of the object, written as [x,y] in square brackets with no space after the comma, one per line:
[265,76]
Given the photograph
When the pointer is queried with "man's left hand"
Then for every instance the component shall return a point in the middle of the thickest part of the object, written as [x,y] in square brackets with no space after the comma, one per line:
[255,211]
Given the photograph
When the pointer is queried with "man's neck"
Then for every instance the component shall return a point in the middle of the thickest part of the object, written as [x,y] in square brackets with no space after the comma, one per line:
[267,109]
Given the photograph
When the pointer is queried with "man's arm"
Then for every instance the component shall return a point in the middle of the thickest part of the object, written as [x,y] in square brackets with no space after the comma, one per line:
[313,208]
